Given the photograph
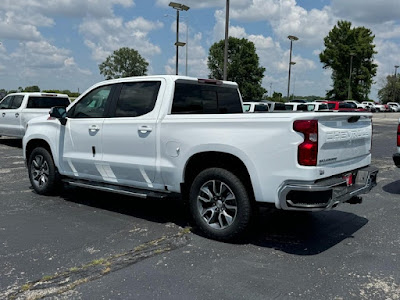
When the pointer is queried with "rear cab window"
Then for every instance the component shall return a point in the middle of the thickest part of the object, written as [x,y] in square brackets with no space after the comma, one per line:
[191,97]
[46,101]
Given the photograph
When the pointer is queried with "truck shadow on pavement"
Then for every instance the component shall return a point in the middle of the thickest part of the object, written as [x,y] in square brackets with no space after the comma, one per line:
[298,233]
[154,210]
[11,142]
[392,188]
[305,233]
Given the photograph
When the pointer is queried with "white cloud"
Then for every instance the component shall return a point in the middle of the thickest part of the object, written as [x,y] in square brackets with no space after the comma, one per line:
[367,11]
[105,35]
[197,59]
[194,3]
[144,25]
[256,10]
[41,63]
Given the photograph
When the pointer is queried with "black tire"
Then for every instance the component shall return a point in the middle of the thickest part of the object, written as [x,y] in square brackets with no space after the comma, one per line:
[217,217]
[43,173]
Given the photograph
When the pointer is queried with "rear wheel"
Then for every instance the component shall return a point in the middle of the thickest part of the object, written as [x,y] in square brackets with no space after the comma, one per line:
[42,172]
[219,204]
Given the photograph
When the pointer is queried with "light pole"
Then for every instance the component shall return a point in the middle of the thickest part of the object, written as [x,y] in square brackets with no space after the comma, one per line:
[395,81]
[351,71]
[291,38]
[187,44]
[179,7]
[226,40]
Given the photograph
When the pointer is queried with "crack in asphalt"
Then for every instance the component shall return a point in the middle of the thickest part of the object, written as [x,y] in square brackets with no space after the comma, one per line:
[50,286]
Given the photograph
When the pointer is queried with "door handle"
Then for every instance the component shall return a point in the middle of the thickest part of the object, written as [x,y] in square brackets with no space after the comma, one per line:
[3,114]
[17,115]
[94,128]
[144,129]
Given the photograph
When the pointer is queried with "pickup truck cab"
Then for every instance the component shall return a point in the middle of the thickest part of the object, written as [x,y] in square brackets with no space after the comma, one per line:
[18,108]
[155,136]
[252,107]
[295,106]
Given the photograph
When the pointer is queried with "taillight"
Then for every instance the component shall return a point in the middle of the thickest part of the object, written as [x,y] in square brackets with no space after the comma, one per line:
[308,150]
[398,135]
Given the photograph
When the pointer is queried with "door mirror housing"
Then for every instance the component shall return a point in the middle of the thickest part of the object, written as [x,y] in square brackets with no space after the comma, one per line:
[60,113]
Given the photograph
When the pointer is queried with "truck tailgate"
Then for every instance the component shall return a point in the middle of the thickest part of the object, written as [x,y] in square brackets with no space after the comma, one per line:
[344,137]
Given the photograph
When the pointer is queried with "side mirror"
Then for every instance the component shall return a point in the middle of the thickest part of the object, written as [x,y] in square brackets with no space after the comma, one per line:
[60,113]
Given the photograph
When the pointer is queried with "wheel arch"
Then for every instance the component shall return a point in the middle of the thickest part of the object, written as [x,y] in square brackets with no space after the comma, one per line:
[35,143]
[215,159]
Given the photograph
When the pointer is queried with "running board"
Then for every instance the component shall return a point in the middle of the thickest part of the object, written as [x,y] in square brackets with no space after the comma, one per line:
[124,190]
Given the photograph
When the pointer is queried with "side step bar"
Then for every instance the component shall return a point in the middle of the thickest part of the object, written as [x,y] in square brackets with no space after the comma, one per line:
[124,190]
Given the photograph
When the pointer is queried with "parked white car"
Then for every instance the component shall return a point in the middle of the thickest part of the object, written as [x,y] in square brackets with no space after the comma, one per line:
[369,106]
[18,108]
[359,105]
[189,136]
[382,107]
[394,106]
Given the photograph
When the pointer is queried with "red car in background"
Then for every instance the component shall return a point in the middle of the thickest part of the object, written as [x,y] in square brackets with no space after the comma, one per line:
[343,106]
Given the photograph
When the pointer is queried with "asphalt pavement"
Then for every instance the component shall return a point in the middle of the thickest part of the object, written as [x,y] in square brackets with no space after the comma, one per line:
[85,244]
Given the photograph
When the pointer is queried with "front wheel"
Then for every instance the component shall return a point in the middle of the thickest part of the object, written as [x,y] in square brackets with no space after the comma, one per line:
[219,204]
[42,172]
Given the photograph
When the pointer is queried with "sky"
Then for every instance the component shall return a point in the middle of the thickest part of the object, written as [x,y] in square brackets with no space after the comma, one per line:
[58,44]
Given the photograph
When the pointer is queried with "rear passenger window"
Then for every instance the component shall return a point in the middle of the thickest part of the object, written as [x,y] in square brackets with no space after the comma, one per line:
[193,98]
[17,101]
[137,98]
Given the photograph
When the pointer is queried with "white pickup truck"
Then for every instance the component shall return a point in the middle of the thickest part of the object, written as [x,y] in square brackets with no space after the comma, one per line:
[18,108]
[155,136]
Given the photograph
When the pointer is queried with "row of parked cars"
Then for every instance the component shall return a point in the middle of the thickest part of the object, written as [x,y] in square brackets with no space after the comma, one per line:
[320,105]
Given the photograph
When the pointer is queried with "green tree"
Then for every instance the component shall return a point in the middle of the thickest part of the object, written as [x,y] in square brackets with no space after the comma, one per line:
[33,88]
[345,46]
[124,62]
[390,92]
[277,97]
[243,66]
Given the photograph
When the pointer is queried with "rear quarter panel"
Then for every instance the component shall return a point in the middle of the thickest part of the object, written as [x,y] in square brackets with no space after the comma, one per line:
[265,143]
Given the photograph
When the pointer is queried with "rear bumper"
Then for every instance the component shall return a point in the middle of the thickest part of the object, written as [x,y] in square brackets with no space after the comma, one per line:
[326,193]
[396,159]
